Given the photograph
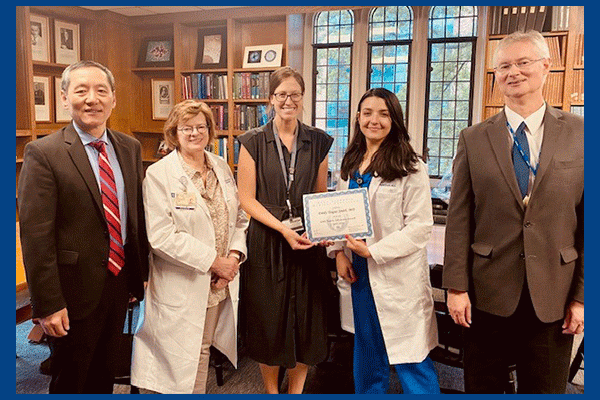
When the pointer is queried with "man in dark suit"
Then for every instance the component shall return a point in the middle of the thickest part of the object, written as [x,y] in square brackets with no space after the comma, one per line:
[514,235]
[83,232]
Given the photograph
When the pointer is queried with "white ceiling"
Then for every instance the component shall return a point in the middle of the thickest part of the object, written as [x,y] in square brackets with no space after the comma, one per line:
[135,11]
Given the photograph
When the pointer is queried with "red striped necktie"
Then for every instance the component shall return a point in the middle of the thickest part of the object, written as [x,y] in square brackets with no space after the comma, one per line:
[110,203]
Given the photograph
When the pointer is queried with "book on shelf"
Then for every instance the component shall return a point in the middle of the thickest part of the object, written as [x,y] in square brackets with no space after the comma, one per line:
[540,18]
[221,116]
[560,18]
[578,62]
[504,20]
[577,94]
[530,20]
[251,85]
[248,116]
[492,45]
[513,18]
[204,86]
[219,147]
[522,19]
[555,53]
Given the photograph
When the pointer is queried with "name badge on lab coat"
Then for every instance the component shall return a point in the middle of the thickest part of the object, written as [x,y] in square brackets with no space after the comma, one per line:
[185,201]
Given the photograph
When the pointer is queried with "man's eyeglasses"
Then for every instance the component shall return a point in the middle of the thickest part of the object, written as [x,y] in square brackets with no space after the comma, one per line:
[522,65]
[188,130]
[282,97]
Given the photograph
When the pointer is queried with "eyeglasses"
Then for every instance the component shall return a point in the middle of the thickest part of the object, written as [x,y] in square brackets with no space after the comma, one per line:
[188,130]
[282,97]
[522,65]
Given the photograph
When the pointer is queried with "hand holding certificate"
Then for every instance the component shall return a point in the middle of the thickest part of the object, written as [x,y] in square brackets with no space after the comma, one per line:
[332,215]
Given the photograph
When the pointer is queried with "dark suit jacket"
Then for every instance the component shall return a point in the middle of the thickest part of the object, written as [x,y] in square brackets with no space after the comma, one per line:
[64,235]
[493,242]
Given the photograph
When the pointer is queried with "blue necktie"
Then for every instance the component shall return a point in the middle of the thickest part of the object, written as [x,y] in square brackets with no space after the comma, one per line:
[521,168]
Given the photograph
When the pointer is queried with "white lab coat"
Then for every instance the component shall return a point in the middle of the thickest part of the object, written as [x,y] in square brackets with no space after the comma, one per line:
[166,349]
[398,269]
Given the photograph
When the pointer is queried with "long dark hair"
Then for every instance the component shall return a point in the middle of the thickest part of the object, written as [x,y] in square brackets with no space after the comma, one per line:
[395,158]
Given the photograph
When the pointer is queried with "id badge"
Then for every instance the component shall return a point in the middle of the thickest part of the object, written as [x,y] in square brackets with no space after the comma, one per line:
[185,201]
[294,223]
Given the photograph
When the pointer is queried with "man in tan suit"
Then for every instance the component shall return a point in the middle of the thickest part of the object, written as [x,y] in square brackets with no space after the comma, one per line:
[514,235]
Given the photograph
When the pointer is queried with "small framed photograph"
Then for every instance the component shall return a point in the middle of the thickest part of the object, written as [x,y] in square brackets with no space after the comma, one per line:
[62,115]
[41,95]
[163,93]
[212,48]
[40,38]
[66,42]
[162,149]
[156,52]
[262,56]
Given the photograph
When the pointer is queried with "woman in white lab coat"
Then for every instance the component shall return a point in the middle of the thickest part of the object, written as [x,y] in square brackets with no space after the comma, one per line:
[196,231]
[386,295]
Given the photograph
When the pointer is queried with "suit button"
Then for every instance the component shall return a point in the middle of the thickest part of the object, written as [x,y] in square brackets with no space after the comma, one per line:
[522,255]
[527,224]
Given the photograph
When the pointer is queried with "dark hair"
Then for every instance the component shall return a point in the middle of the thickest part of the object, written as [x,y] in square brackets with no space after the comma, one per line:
[395,158]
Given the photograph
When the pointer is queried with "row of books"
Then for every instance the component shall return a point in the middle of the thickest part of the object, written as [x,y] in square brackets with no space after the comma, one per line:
[251,85]
[220,147]
[553,88]
[578,50]
[221,115]
[578,86]
[250,116]
[508,19]
[554,45]
[204,86]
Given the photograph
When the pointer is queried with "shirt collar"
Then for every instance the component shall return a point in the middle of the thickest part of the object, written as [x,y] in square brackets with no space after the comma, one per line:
[533,122]
[86,138]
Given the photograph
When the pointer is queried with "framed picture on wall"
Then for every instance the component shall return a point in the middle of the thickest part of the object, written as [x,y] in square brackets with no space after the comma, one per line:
[163,93]
[66,42]
[41,95]
[40,38]
[156,52]
[62,115]
[262,56]
[212,48]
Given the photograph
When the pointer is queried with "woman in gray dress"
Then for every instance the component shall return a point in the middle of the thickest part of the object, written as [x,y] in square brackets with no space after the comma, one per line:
[283,281]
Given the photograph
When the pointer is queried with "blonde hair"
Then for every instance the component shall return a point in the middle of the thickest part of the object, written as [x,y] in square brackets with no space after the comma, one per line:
[183,112]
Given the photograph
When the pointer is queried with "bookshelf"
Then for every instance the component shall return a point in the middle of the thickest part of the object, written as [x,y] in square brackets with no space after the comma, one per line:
[564,85]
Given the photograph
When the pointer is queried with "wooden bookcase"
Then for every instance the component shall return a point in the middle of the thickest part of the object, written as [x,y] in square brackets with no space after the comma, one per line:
[240,32]
[564,85]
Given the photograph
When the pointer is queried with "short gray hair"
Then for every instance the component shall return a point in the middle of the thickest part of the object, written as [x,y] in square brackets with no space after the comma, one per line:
[533,37]
[66,75]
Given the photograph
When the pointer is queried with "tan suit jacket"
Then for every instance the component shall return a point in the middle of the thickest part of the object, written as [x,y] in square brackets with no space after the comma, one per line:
[493,242]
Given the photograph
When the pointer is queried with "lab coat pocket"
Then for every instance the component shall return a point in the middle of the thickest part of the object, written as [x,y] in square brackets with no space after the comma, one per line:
[170,284]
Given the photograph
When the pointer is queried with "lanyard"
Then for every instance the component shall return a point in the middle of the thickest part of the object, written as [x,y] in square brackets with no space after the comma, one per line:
[289,175]
[525,156]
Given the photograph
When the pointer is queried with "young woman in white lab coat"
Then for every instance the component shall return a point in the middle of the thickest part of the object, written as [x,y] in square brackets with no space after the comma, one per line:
[386,295]
[196,231]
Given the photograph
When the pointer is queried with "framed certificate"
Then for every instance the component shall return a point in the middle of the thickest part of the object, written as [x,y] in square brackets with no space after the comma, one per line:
[332,215]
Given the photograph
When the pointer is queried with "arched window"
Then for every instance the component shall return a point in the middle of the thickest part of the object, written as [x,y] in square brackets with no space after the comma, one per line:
[333,36]
[451,60]
[390,38]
